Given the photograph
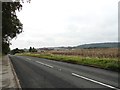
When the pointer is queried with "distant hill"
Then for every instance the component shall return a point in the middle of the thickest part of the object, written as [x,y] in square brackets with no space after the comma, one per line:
[99,45]
[86,46]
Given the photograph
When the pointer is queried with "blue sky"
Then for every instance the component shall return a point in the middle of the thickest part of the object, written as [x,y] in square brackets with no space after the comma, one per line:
[52,23]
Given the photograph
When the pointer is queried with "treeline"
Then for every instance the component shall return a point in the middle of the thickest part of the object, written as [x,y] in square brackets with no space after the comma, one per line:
[14,51]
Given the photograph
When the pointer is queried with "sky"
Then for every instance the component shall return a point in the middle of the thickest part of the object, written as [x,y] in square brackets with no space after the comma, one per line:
[54,23]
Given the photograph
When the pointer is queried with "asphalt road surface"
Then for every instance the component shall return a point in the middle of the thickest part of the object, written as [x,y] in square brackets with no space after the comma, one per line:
[43,73]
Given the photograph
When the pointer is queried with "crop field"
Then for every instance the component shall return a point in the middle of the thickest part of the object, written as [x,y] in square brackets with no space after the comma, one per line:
[99,53]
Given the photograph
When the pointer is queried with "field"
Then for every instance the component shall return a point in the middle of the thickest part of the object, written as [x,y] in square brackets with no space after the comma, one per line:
[106,58]
[99,53]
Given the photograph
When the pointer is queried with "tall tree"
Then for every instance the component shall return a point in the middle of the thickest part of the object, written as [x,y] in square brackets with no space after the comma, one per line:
[30,49]
[11,25]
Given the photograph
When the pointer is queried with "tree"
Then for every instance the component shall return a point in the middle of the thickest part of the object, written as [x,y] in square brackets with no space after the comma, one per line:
[5,48]
[11,25]
[14,51]
[30,50]
[34,50]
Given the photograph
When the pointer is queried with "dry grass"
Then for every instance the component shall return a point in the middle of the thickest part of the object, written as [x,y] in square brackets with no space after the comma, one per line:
[99,53]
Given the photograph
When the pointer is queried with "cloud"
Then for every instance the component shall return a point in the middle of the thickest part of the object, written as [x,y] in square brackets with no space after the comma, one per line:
[67,22]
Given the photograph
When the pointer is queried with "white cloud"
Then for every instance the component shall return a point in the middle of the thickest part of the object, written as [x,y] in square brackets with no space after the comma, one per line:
[67,22]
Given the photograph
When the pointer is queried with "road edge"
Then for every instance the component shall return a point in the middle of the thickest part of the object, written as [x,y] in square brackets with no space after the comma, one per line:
[77,64]
[14,73]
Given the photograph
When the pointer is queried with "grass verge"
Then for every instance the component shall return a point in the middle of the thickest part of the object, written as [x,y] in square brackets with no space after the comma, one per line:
[105,63]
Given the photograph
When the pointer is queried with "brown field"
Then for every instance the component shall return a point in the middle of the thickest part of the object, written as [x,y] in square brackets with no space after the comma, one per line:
[100,53]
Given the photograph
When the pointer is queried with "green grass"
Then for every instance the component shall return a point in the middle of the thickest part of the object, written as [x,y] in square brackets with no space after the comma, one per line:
[106,63]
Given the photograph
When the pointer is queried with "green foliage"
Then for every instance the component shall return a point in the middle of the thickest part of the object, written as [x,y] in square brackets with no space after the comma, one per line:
[5,47]
[14,51]
[32,49]
[11,25]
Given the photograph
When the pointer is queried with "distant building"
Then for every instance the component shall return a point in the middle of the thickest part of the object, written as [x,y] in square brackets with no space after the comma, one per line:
[44,49]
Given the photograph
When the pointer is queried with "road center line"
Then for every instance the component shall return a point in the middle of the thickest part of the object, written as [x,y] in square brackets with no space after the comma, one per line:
[49,65]
[74,74]
[39,62]
[28,58]
[45,64]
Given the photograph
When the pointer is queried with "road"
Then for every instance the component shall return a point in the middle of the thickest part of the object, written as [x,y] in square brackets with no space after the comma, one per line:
[36,72]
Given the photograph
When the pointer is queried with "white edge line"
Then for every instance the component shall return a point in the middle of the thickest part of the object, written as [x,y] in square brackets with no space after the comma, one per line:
[95,81]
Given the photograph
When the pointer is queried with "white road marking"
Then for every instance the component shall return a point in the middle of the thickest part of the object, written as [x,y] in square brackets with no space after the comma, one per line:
[45,64]
[94,81]
[49,65]
[39,62]
[28,58]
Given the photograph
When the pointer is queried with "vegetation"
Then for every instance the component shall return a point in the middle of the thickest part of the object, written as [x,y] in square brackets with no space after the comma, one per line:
[99,45]
[11,25]
[100,52]
[14,51]
[106,63]
[32,49]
